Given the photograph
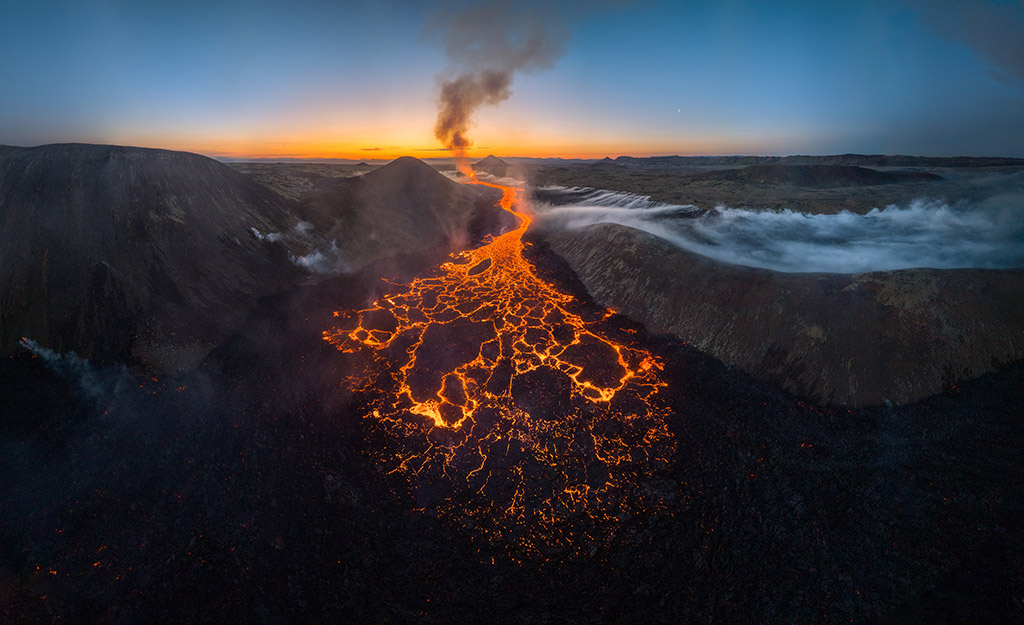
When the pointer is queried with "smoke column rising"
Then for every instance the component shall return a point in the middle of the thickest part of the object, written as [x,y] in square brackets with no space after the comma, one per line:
[487,44]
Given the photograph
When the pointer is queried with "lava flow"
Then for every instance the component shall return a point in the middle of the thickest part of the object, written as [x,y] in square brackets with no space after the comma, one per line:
[511,408]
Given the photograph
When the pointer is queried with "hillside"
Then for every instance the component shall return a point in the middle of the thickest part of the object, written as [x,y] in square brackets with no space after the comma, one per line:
[816,175]
[403,207]
[847,339]
[131,254]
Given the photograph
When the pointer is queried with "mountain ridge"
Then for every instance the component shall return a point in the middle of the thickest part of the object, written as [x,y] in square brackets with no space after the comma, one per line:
[403,206]
[841,339]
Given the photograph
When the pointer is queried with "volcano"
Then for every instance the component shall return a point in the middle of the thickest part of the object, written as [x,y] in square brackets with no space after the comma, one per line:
[487,352]
[132,255]
[403,207]
[493,165]
[476,439]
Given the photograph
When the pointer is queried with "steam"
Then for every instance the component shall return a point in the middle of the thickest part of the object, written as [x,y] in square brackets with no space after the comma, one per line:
[488,43]
[300,231]
[926,233]
[271,237]
[70,366]
[324,260]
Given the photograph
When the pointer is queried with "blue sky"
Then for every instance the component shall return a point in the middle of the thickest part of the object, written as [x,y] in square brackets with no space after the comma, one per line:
[344,79]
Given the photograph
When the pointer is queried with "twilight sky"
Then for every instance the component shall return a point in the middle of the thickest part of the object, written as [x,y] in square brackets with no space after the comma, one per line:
[361,80]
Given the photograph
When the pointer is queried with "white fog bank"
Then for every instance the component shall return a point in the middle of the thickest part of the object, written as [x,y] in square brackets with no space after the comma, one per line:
[926,233]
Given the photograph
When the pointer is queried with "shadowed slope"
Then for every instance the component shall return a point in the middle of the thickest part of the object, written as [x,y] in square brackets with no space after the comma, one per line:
[403,207]
[857,339]
[132,254]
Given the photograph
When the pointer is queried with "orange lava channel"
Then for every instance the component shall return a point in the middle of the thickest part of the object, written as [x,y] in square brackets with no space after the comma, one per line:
[537,421]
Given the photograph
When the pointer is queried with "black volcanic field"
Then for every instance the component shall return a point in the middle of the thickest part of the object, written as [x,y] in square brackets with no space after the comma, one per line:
[178,444]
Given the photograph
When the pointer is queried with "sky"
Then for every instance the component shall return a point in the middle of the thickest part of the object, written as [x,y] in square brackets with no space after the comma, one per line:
[307,79]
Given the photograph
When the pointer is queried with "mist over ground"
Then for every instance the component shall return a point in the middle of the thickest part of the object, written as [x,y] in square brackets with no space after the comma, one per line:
[931,233]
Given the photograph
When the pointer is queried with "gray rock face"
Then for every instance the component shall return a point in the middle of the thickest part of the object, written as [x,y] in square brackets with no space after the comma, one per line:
[859,339]
[132,254]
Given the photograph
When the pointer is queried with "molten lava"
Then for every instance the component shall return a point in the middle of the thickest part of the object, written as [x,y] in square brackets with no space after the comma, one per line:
[511,408]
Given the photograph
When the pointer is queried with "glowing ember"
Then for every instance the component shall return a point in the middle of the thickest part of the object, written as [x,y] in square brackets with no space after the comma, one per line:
[509,408]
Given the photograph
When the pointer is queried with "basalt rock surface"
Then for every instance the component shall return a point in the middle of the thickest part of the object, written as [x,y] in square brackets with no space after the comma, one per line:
[847,339]
[251,490]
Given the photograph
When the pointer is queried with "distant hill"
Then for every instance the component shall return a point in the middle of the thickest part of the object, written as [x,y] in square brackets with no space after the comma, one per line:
[493,166]
[861,160]
[815,175]
[605,164]
[131,254]
[403,207]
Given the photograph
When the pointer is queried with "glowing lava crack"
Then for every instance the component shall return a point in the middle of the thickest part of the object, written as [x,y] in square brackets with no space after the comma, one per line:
[509,410]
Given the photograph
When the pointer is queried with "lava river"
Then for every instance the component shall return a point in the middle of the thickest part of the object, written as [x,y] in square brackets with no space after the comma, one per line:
[511,408]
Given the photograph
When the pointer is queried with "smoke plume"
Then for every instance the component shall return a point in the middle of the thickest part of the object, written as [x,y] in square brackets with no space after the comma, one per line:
[487,44]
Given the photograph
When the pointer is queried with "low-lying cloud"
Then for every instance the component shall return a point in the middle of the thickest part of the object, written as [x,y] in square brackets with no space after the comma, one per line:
[925,233]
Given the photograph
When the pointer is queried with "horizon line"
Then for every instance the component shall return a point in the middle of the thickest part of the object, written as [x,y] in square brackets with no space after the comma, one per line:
[218,156]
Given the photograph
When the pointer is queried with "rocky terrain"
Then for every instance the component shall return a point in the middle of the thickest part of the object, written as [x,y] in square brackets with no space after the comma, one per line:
[294,180]
[841,339]
[815,175]
[132,255]
[247,491]
[259,486]
[405,206]
[152,257]
[826,184]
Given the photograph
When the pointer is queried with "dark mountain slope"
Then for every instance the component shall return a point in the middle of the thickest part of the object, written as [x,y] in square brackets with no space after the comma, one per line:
[403,207]
[132,254]
[848,339]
